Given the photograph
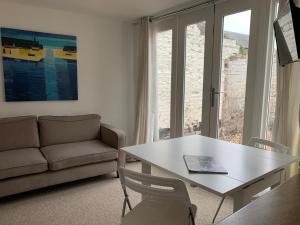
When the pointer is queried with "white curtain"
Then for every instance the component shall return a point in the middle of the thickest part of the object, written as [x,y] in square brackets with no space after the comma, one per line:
[144,130]
[286,126]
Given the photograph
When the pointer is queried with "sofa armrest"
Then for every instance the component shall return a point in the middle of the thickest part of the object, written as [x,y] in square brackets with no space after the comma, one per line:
[115,138]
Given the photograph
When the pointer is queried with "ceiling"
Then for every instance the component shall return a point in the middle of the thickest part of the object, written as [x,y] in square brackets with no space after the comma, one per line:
[123,9]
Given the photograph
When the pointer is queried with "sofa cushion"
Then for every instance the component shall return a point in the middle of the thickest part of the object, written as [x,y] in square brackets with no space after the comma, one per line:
[67,129]
[20,162]
[76,154]
[18,132]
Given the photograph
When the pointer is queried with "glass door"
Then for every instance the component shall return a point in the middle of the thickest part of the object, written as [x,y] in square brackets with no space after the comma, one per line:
[233,77]
[183,65]
[209,62]
[194,70]
[164,65]
[235,32]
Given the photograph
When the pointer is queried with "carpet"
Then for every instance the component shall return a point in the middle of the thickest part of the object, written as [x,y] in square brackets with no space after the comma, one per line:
[94,201]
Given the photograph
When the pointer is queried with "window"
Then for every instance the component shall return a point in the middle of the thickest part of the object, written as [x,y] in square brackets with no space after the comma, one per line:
[234,76]
[164,74]
[272,97]
[205,64]
[194,74]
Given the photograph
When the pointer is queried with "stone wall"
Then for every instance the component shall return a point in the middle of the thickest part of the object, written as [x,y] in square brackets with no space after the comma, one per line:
[273,96]
[194,69]
[233,100]
[164,56]
[233,83]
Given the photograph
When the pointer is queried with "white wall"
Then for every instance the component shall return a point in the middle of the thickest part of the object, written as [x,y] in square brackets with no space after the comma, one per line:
[105,80]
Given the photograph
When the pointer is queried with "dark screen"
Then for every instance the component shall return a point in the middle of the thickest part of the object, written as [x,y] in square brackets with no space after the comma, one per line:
[287,32]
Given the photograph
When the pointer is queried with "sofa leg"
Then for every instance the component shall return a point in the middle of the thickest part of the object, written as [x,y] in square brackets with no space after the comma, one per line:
[118,174]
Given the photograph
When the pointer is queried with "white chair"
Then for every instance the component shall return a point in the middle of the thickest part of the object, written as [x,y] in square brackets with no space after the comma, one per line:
[165,200]
[272,146]
[264,144]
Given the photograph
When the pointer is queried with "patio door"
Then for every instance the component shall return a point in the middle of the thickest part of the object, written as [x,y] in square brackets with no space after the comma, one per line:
[238,26]
[194,68]
[208,62]
[183,67]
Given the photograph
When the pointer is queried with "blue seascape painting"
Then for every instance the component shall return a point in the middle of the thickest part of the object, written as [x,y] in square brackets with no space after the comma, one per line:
[39,66]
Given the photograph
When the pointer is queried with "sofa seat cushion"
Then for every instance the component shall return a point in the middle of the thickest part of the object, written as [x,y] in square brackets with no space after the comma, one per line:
[20,162]
[79,153]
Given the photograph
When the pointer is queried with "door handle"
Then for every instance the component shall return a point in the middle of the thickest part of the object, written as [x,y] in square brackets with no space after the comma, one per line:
[213,93]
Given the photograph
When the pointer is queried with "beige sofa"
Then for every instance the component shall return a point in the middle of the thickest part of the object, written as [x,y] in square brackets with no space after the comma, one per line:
[53,150]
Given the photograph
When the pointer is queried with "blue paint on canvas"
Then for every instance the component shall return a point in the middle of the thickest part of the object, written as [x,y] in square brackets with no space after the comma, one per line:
[39,66]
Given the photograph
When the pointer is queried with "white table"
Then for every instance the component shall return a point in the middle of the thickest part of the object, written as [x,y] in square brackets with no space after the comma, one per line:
[250,170]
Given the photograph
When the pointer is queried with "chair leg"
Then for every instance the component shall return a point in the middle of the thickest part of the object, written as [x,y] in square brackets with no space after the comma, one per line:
[124,207]
[219,207]
[192,217]
[126,201]
[118,174]
[193,220]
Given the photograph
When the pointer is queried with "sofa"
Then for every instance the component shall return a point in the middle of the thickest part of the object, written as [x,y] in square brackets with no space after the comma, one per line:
[49,150]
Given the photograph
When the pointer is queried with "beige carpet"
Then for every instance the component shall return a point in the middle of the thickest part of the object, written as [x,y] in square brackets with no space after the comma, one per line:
[96,201]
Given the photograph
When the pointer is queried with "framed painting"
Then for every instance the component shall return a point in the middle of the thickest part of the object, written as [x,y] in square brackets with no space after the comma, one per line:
[39,66]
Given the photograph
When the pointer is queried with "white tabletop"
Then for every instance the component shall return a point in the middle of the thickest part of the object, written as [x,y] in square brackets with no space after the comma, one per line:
[244,164]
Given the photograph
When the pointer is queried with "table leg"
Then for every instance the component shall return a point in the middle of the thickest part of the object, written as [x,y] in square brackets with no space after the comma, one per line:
[146,169]
[219,207]
[282,179]
[244,196]
[239,200]
[284,175]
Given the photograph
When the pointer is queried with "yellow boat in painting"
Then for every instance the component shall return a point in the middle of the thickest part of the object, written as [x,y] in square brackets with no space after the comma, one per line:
[68,52]
[22,49]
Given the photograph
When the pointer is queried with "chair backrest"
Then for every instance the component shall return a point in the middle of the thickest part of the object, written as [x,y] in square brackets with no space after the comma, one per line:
[262,143]
[154,187]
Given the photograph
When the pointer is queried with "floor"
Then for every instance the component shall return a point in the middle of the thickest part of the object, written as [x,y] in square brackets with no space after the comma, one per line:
[95,201]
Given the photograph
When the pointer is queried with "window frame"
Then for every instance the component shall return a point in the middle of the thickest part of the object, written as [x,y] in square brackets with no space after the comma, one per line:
[268,72]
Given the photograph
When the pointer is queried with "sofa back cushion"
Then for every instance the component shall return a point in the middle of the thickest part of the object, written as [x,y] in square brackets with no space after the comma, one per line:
[67,129]
[19,132]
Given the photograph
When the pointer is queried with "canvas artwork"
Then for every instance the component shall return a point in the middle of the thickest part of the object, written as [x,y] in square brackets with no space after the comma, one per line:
[39,66]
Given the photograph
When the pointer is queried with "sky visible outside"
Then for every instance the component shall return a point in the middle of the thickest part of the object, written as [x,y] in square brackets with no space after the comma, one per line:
[238,23]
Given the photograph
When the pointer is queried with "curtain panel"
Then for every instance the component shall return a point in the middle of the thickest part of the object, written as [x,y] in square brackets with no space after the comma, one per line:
[143,122]
[286,125]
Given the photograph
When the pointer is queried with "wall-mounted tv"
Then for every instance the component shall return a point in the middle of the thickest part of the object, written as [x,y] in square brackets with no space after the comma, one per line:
[287,32]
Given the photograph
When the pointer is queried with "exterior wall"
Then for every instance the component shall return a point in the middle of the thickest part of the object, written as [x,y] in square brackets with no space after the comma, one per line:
[164,56]
[234,64]
[233,99]
[195,50]
[272,100]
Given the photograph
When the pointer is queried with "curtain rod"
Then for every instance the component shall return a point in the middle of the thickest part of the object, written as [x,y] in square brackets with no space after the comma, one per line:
[182,9]
[178,10]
